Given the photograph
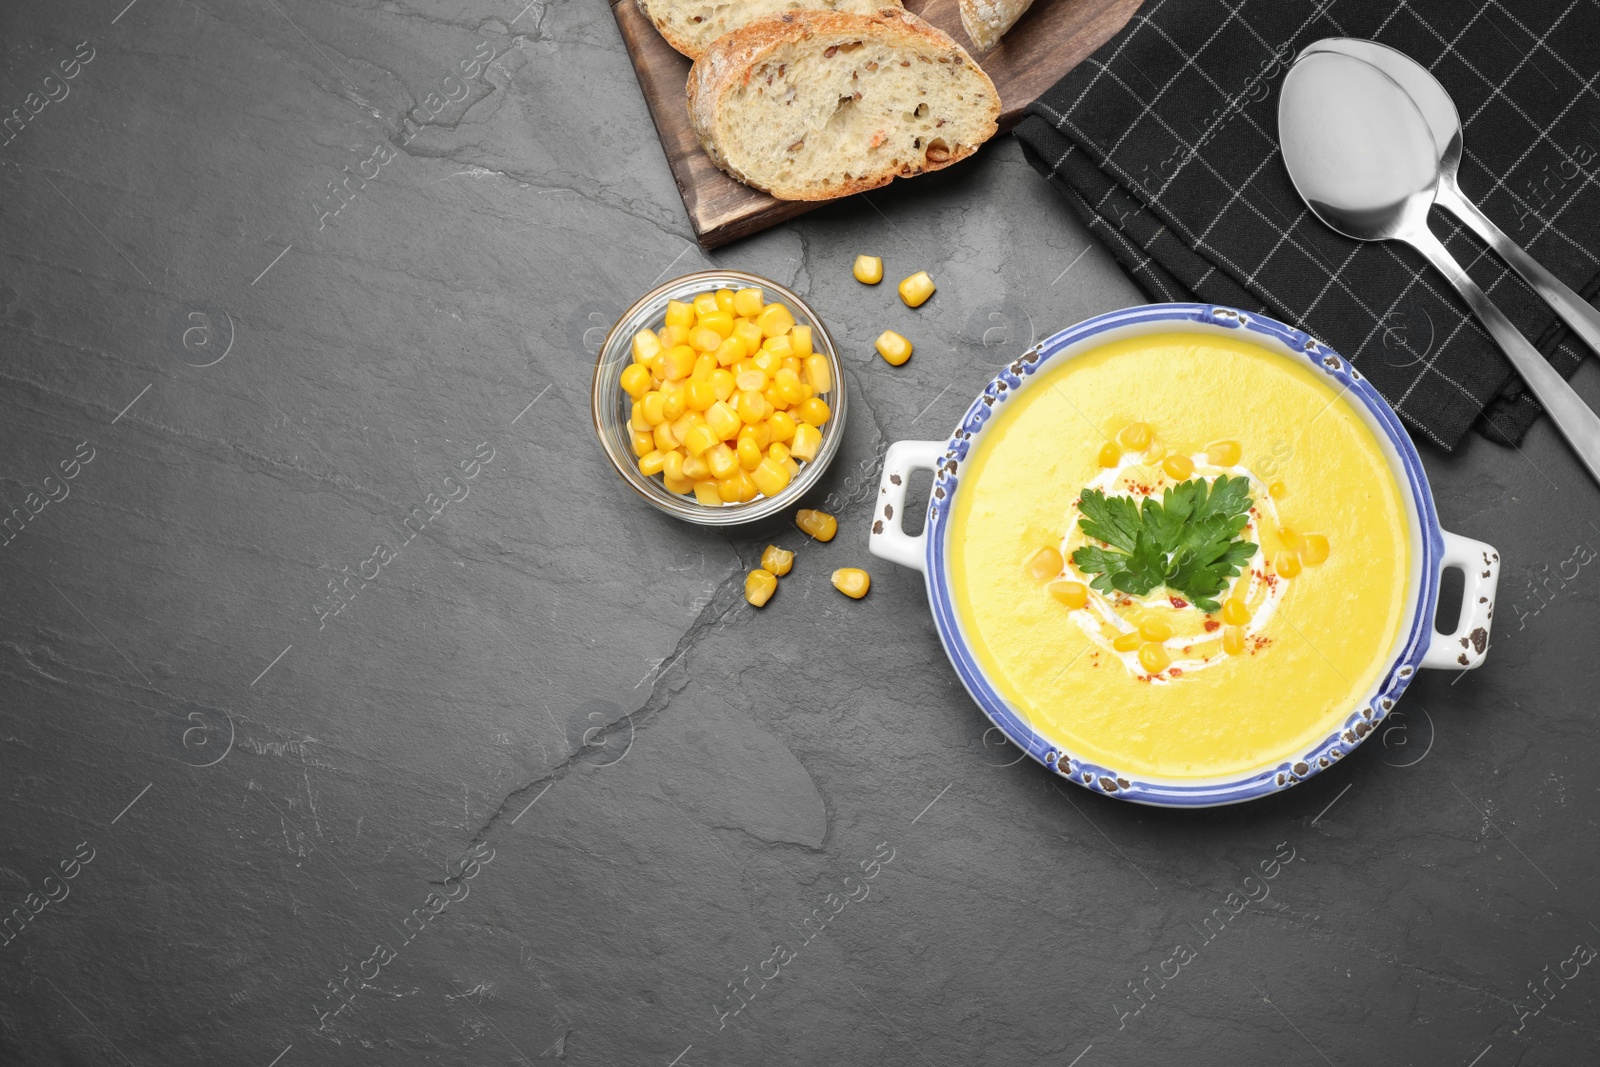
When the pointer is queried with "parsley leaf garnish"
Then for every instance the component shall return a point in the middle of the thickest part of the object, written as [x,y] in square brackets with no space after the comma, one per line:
[1188,541]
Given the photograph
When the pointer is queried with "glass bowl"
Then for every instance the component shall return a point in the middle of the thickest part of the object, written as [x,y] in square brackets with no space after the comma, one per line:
[612,407]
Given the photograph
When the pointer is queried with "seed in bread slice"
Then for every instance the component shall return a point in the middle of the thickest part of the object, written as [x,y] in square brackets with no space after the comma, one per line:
[813,105]
[986,21]
[691,25]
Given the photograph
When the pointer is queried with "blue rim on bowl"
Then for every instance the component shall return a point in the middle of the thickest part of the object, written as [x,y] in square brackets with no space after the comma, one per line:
[609,405]
[1432,550]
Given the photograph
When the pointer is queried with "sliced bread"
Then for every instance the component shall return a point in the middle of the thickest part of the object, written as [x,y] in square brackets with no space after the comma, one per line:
[813,105]
[691,25]
[986,21]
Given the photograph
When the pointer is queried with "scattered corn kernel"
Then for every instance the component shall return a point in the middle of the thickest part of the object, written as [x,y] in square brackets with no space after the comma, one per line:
[1235,612]
[636,381]
[817,524]
[1313,550]
[771,476]
[1154,658]
[1286,563]
[1291,540]
[868,270]
[1154,630]
[1110,454]
[1127,642]
[1178,466]
[894,348]
[759,585]
[916,289]
[1135,437]
[1224,453]
[819,373]
[1073,594]
[1233,640]
[807,439]
[1044,564]
[777,560]
[1277,490]
[853,582]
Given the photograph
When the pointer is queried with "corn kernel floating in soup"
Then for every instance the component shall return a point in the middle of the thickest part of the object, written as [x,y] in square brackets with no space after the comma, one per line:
[1180,556]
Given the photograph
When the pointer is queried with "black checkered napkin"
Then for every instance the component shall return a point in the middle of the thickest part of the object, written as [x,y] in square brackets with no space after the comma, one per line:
[1165,143]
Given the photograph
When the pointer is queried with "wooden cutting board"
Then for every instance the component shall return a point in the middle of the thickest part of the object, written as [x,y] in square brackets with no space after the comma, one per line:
[1051,39]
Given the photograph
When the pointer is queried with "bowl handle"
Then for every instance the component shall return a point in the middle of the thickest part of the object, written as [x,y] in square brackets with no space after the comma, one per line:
[1463,649]
[888,541]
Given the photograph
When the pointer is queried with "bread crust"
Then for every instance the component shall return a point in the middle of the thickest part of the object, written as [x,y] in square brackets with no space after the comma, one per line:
[734,54]
[684,44]
[986,21]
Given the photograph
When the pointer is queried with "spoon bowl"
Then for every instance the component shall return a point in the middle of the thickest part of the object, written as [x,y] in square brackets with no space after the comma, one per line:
[1357,148]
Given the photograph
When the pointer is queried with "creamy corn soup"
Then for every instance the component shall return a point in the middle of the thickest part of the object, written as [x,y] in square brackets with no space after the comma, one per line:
[1274,605]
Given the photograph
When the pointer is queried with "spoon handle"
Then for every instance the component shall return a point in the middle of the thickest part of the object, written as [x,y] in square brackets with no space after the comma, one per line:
[1574,310]
[1576,421]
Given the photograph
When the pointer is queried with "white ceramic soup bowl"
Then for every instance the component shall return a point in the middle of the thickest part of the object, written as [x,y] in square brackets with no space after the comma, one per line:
[1432,550]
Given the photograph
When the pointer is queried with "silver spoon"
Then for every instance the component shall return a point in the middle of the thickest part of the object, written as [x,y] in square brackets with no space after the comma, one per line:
[1445,123]
[1361,155]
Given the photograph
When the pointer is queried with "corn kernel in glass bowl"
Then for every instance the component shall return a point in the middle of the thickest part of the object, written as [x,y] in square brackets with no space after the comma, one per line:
[687,401]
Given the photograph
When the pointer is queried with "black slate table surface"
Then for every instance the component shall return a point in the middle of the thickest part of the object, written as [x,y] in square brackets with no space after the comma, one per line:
[535,783]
